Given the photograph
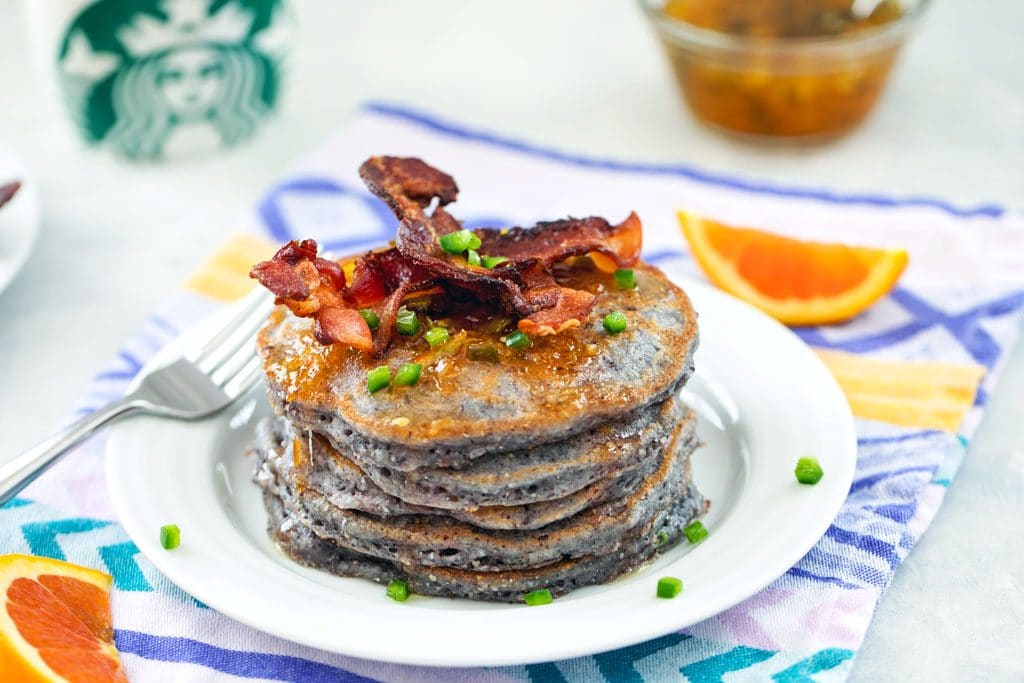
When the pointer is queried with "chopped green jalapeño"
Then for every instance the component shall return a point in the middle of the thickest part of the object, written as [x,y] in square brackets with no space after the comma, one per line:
[614,322]
[459,241]
[669,587]
[625,278]
[538,597]
[436,336]
[378,379]
[371,318]
[398,590]
[406,322]
[517,340]
[695,531]
[408,375]
[808,471]
[170,536]
[492,261]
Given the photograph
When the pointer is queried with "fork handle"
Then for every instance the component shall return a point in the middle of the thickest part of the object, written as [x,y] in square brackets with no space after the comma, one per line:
[23,470]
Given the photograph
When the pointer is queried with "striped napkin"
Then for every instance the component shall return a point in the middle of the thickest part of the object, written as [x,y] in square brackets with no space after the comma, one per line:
[917,369]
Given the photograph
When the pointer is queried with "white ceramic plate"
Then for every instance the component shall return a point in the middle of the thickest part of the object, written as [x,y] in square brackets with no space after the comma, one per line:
[764,399]
[19,219]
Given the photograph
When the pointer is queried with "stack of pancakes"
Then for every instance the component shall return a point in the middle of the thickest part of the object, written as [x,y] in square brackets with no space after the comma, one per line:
[560,465]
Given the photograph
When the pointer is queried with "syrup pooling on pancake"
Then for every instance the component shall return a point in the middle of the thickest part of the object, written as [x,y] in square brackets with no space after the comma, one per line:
[558,386]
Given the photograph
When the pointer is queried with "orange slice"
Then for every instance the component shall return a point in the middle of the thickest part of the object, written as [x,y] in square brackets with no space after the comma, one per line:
[55,622]
[795,282]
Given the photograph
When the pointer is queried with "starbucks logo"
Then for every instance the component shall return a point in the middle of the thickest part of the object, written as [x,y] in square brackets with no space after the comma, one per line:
[156,79]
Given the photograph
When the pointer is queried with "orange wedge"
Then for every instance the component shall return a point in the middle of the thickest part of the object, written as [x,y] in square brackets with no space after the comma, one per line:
[55,622]
[795,282]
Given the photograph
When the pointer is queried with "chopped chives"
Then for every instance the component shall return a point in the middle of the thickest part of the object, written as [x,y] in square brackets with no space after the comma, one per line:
[398,590]
[458,241]
[378,378]
[170,536]
[808,471]
[538,597]
[669,587]
[518,340]
[662,539]
[473,257]
[436,336]
[485,352]
[371,318]
[614,322]
[408,375]
[407,322]
[625,278]
[491,261]
[474,241]
[695,531]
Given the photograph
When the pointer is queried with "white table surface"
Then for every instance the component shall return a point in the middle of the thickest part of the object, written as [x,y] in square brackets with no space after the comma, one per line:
[586,77]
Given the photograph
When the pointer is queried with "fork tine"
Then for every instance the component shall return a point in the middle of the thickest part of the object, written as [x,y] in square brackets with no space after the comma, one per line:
[233,364]
[237,334]
[243,308]
[245,378]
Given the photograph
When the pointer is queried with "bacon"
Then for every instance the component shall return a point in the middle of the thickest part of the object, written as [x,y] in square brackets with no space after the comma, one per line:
[380,272]
[524,286]
[554,241]
[313,287]
[282,279]
[389,311]
[343,326]
[558,308]
[409,186]
[296,252]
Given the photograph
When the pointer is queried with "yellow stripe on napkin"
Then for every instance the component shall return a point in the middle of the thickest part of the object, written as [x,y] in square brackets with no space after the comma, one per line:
[225,275]
[909,393]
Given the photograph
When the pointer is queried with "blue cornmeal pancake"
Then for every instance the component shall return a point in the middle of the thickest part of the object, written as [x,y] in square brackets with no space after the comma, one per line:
[476,395]
[316,465]
[442,541]
[635,548]
[524,476]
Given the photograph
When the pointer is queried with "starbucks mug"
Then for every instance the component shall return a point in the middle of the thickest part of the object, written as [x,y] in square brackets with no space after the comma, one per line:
[153,80]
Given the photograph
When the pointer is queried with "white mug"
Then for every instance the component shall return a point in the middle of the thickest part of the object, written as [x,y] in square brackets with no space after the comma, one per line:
[162,79]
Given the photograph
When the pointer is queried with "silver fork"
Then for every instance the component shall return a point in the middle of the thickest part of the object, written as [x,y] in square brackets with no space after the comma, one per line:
[207,376]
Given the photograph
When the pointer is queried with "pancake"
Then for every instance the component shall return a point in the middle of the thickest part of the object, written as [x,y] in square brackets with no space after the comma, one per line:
[446,542]
[461,409]
[544,472]
[348,487]
[305,547]
[539,472]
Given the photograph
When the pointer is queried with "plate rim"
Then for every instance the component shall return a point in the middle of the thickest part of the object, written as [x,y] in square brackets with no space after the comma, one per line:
[569,647]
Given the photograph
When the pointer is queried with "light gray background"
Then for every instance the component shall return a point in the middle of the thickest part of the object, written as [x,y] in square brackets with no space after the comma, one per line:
[581,76]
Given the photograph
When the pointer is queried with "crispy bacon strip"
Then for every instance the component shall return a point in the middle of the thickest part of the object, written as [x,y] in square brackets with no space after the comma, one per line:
[313,287]
[343,326]
[389,277]
[553,241]
[379,273]
[8,191]
[558,308]
[409,186]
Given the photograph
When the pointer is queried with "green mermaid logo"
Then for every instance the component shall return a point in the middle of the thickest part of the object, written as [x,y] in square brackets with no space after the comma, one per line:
[158,79]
